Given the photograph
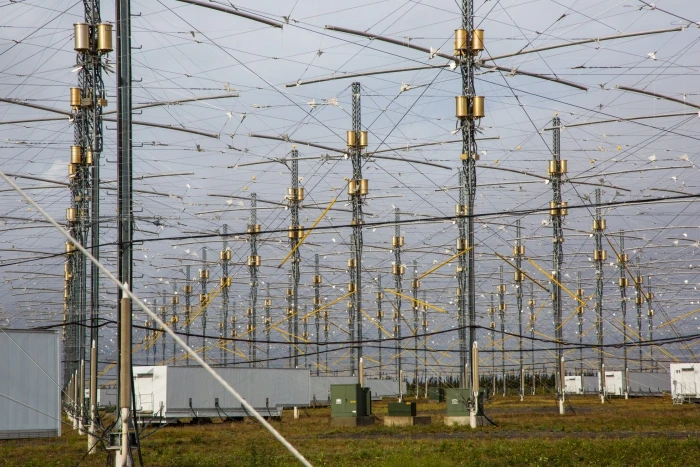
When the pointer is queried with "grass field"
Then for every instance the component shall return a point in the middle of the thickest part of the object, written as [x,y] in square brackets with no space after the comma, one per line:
[636,432]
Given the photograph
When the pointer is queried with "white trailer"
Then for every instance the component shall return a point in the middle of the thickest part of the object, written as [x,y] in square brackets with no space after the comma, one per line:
[30,384]
[649,383]
[572,385]
[106,397]
[685,382]
[168,393]
[614,383]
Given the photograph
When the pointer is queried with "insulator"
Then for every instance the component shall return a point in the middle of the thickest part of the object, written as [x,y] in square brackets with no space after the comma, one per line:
[326,314]
[225,255]
[268,302]
[502,307]
[104,38]
[221,325]
[622,258]
[458,292]
[650,296]
[397,242]
[650,313]
[363,139]
[465,156]
[557,167]
[175,300]
[305,335]
[396,315]
[72,214]
[66,272]
[202,298]
[204,273]
[398,269]
[253,228]
[425,307]
[254,261]
[531,303]
[351,263]
[232,320]
[555,239]
[75,98]
[317,279]
[295,194]
[579,293]
[351,138]
[380,295]
[326,327]
[290,292]
[599,224]
[249,311]
[564,208]
[461,44]
[459,269]
[519,250]
[493,325]
[82,37]
[396,331]
[317,301]
[425,323]
[501,288]
[225,282]
[65,295]
[290,311]
[415,284]
[558,210]
[187,289]
[491,310]
[364,187]
[88,158]
[173,319]
[461,244]
[477,42]
[622,282]
[380,315]
[102,102]
[352,287]
[461,210]
[461,106]
[519,276]
[72,170]
[639,300]
[600,255]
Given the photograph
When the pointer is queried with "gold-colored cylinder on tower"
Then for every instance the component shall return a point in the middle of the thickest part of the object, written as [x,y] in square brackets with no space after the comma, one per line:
[75,98]
[477,41]
[82,37]
[351,138]
[76,155]
[364,139]
[104,38]
[478,109]
[461,106]
[461,45]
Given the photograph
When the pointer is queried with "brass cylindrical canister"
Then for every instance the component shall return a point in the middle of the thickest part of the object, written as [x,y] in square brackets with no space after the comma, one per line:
[104,38]
[82,37]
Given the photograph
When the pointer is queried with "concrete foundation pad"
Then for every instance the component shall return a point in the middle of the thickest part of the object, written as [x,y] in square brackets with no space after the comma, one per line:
[405,421]
[352,421]
[464,420]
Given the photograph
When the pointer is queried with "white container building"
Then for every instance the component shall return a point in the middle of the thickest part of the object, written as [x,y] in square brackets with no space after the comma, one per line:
[30,406]
[685,381]
[572,385]
[614,383]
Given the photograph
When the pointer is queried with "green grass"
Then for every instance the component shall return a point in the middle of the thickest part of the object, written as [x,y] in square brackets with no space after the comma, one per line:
[638,432]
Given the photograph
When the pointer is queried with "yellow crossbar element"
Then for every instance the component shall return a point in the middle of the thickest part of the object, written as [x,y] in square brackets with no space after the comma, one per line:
[556,282]
[420,302]
[203,306]
[679,318]
[373,321]
[431,270]
[323,214]
[328,304]
[521,271]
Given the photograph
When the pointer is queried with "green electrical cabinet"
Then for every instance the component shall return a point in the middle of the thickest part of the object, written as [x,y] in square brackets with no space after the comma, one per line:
[350,400]
[436,393]
[458,400]
[402,409]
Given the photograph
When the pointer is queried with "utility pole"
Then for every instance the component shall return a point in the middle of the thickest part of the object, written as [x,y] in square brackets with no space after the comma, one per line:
[650,322]
[268,323]
[380,316]
[174,302]
[622,282]
[639,300]
[295,195]
[492,327]
[424,321]
[358,188]
[234,331]
[469,108]
[414,305]
[397,242]
[187,289]
[531,306]
[225,257]
[579,312]
[164,318]
[557,168]
[317,280]
[254,262]
[305,337]
[125,218]
[519,252]
[599,256]
[502,315]
[204,299]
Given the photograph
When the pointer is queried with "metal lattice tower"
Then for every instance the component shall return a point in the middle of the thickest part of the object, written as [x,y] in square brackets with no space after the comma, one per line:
[225,257]
[234,331]
[317,280]
[268,322]
[290,324]
[623,283]
[502,315]
[531,306]
[357,189]
[639,301]
[204,299]
[164,318]
[557,210]
[295,196]
[650,321]
[254,262]
[174,302]
[469,108]
[187,288]
[397,243]
[424,322]
[579,313]
[380,316]
[599,256]
[305,337]
[492,327]
[518,252]
[416,322]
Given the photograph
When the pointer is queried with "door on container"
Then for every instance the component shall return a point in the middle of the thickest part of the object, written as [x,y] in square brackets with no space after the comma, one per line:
[688,386]
[610,383]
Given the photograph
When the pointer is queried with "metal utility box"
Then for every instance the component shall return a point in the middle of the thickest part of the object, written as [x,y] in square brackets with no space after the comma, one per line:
[457,402]
[30,406]
[685,381]
[572,385]
[436,393]
[402,409]
[350,400]
[614,383]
